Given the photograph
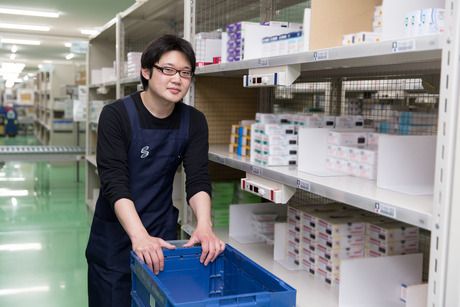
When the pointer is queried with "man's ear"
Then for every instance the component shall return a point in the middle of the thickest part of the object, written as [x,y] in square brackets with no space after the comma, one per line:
[146,73]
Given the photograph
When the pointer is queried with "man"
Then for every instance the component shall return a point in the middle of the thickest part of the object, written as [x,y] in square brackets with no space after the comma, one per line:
[142,139]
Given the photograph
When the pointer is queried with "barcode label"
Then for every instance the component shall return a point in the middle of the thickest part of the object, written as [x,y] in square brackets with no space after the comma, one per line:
[256,170]
[403,46]
[385,210]
[303,185]
[321,55]
[263,62]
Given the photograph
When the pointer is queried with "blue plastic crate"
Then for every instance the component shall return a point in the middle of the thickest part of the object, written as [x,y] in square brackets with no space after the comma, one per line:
[231,280]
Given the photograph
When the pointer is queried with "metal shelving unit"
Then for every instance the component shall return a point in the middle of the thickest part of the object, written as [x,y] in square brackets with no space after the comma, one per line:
[384,56]
[434,54]
[358,192]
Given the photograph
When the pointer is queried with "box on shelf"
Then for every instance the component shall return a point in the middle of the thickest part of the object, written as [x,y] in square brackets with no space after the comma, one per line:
[239,279]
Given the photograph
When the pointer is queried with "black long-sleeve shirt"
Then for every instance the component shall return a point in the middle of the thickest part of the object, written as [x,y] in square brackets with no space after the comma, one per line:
[114,139]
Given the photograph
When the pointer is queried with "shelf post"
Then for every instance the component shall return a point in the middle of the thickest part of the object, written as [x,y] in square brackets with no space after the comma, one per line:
[444,277]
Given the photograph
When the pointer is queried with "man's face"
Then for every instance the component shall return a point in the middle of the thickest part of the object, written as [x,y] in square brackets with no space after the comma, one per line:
[170,89]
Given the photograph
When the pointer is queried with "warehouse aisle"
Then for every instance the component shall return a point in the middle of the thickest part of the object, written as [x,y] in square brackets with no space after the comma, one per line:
[44,226]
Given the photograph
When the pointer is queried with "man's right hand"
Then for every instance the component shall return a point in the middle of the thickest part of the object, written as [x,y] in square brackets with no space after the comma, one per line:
[149,249]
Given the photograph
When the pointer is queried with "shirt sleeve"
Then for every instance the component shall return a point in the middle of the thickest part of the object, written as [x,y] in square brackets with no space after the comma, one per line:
[196,156]
[112,154]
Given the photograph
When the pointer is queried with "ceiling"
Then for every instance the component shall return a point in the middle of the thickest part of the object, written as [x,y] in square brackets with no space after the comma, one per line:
[75,15]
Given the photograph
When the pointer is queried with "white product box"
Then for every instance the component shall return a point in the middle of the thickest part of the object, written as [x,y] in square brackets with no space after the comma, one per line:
[337,242]
[336,165]
[108,74]
[341,152]
[307,265]
[332,267]
[348,39]
[308,243]
[295,42]
[275,150]
[267,118]
[350,121]
[392,231]
[306,29]
[363,155]
[286,118]
[373,139]
[378,11]
[341,224]
[327,278]
[364,170]
[337,254]
[307,120]
[367,37]
[308,232]
[293,236]
[347,138]
[393,248]
[328,121]
[274,129]
[434,21]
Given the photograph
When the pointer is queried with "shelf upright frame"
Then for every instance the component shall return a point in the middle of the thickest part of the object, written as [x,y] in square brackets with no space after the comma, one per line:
[119,54]
[444,277]
[189,35]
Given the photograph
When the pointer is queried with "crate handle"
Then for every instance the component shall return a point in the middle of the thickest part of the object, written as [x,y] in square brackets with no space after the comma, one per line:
[247,300]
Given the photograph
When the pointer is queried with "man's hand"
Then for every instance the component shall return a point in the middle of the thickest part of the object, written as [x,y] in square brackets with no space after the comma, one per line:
[149,249]
[211,245]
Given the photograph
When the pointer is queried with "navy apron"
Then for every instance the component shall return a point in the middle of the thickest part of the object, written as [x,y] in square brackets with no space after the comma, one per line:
[153,158]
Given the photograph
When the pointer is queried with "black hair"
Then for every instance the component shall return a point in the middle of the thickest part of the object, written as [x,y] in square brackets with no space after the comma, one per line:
[155,49]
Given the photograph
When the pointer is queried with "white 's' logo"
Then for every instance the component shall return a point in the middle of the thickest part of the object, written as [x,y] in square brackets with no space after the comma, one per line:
[145,152]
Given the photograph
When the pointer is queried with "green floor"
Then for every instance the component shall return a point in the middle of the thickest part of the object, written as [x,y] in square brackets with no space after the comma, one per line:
[44,227]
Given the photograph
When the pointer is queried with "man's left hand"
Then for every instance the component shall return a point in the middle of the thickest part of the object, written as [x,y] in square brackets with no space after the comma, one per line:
[211,245]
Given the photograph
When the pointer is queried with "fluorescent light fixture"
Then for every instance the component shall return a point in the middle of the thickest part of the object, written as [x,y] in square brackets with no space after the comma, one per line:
[24,27]
[13,291]
[19,247]
[48,14]
[14,49]
[90,32]
[20,41]
[70,56]
[13,56]
[8,192]
[47,61]
[14,202]
[68,45]
[12,179]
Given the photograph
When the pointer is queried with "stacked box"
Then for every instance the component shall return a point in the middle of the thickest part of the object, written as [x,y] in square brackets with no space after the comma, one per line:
[133,64]
[424,22]
[95,109]
[222,197]
[367,37]
[240,140]
[353,153]
[263,225]
[244,39]
[273,153]
[207,47]
[391,238]
[338,237]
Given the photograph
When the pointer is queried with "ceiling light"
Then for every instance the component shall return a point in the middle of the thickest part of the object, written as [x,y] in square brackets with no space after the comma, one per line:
[13,56]
[47,61]
[70,56]
[68,45]
[17,247]
[20,41]
[11,291]
[47,14]
[14,49]
[90,32]
[24,27]
[7,192]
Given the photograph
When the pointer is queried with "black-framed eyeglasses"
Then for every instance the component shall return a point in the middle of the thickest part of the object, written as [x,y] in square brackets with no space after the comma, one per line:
[169,71]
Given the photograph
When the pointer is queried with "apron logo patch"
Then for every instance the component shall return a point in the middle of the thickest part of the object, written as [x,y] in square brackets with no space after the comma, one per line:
[145,152]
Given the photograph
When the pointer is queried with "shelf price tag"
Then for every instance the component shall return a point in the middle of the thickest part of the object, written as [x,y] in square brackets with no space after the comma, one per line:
[303,185]
[321,55]
[403,46]
[256,170]
[384,210]
[263,62]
